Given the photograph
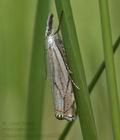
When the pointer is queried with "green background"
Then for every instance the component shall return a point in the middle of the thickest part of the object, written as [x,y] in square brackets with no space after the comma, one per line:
[16,35]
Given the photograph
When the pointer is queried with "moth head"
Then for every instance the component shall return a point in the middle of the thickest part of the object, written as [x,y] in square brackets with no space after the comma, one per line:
[49,25]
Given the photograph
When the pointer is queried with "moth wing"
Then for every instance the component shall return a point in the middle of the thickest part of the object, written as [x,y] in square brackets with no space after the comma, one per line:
[61,84]
[61,49]
[67,89]
[60,73]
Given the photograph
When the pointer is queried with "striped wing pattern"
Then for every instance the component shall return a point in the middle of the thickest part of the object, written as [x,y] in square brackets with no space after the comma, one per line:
[61,84]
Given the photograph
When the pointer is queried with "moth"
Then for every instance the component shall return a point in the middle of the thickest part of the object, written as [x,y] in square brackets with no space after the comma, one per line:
[62,90]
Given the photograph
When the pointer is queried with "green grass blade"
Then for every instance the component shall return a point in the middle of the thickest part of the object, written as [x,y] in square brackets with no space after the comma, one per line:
[90,87]
[102,67]
[110,68]
[66,130]
[82,98]
[37,72]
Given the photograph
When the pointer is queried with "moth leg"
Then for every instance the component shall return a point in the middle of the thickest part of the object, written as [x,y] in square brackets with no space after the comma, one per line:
[68,69]
[73,82]
[69,73]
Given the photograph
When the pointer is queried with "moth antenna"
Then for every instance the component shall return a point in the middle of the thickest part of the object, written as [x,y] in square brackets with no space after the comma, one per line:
[60,21]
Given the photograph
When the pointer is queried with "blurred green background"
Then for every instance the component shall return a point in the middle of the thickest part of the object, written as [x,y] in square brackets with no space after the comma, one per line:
[16,35]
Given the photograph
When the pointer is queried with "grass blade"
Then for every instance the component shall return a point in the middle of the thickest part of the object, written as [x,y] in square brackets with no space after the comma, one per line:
[102,67]
[110,68]
[37,72]
[82,98]
[90,87]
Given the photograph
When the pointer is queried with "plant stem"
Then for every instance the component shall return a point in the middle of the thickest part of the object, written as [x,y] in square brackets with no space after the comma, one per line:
[102,67]
[82,98]
[110,68]
[37,74]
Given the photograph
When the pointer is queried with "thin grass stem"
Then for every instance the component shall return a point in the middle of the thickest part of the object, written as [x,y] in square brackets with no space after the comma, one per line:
[37,74]
[84,109]
[110,67]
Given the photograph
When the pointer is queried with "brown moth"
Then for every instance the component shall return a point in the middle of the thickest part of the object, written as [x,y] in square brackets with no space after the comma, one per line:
[61,82]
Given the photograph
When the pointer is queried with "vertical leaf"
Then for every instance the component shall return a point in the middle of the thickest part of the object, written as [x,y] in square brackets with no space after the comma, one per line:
[110,68]
[82,98]
[37,72]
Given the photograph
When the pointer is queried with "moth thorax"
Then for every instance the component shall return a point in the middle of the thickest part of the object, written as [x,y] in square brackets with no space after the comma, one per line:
[51,39]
